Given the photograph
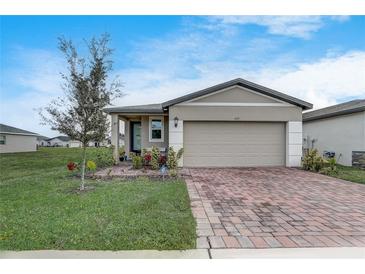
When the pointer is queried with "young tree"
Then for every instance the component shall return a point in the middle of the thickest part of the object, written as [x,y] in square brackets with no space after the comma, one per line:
[79,113]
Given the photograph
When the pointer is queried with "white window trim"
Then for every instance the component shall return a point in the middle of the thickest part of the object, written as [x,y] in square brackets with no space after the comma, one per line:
[150,129]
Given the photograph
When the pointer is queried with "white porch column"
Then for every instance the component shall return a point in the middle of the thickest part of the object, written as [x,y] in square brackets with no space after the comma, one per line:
[126,135]
[176,136]
[115,137]
[294,138]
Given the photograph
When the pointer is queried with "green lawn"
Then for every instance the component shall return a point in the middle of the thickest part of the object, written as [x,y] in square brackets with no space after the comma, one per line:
[352,174]
[39,210]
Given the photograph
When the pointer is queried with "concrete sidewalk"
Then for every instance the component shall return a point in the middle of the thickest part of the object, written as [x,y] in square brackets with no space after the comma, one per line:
[338,252]
[282,253]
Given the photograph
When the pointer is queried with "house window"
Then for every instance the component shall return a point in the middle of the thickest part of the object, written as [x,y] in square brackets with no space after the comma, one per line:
[2,139]
[156,129]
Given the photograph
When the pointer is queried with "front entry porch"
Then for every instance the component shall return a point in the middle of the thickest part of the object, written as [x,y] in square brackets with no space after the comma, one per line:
[141,131]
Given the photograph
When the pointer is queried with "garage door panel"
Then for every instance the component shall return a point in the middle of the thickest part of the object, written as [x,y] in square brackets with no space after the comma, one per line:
[231,162]
[234,144]
[232,148]
[236,139]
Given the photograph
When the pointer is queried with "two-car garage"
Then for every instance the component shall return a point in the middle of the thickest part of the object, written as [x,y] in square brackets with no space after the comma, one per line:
[218,144]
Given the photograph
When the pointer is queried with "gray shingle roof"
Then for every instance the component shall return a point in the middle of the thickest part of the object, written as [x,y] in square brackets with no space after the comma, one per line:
[40,138]
[152,108]
[14,130]
[159,108]
[336,110]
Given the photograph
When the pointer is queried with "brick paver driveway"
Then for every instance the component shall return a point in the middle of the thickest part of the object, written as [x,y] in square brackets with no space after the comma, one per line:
[275,207]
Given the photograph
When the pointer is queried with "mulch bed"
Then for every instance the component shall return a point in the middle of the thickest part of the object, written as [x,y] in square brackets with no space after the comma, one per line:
[127,172]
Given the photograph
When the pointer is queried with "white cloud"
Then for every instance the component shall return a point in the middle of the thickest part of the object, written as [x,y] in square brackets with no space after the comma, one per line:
[323,82]
[37,70]
[34,79]
[20,112]
[295,26]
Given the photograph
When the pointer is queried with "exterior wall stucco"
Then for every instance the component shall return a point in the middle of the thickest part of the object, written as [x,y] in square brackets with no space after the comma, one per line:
[341,134]
[236,95]
[18,143]
[237,113]
[176,136]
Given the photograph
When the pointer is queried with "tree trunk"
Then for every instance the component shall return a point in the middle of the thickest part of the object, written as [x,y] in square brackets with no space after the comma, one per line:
[82,187]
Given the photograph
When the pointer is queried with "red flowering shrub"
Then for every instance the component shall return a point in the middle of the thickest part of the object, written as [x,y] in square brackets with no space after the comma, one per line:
[71,166]
[147,157]
[162,159]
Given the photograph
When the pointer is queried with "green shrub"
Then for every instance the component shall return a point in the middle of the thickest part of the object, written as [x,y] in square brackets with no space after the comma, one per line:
[137,160]
[173,159]
[331,167]
[173,172]
[155,156]
[103,157]
[313,161]
[332,162]
[328,171]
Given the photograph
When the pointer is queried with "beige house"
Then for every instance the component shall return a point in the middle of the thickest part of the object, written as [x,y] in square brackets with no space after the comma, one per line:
[14,139]
[340,129]
[233,124]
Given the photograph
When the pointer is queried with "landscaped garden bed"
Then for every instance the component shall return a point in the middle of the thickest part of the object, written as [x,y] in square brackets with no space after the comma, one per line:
[126,171]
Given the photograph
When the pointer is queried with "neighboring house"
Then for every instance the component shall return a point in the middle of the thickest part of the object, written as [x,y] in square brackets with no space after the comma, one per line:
[74,143]
[233,124]
[340,129]
[121,140]
[59,141]
[14,139]
[105,143]
[42,141]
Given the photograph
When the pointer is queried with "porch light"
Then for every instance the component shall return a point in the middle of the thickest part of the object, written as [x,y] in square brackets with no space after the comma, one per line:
[176,121]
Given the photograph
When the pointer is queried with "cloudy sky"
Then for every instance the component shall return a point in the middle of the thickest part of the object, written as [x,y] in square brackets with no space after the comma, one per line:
[317,59]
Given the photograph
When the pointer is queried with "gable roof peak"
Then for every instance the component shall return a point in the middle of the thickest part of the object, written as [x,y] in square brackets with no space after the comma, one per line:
[243,83]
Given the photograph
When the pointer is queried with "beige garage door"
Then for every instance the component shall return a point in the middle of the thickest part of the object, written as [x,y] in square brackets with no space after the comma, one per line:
[233,144]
